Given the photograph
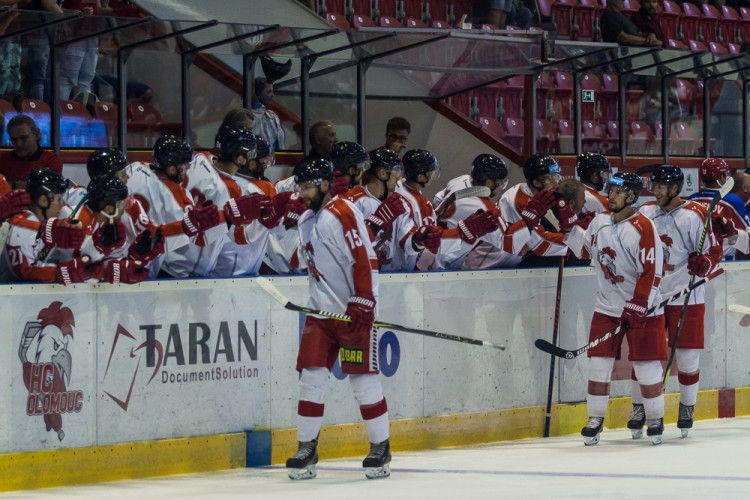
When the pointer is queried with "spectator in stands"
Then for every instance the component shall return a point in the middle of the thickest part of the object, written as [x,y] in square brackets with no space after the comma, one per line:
[322,139]
[239,117]
[35,53]
[508,12]
[10,55]
[27,154]
[617,28]
[646,21]
[397,132]
[267,123]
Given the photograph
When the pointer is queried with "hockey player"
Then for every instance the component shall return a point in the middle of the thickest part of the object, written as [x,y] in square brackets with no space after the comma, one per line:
[629,260]
[679,224]
[420,169]
[594,171]
[343,278]
[190,232]
[350,162]
[713,175]
[39,246]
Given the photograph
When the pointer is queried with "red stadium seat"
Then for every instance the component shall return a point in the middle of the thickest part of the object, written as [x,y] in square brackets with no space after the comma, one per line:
[75,122]
[512,95]
[710,23]
[676,44]
[546,137]
[593,137]
[670,19]
[145,122]
[545,92]
[338,20]
[734,48]
[640,139]
[717,48]
[697,46]
[515,135]
[562,16]
[492,127]
[609,96]
[729,25]
[613,130]
[389,22]
[691,19]
[563,95]
[630,7]
[360,21]
[443,25]
[565,136]
[744,23]
[587,14]
[414,23]
[685,140]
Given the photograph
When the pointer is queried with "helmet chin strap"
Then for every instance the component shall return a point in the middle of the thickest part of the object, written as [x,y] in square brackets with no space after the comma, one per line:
[111,218]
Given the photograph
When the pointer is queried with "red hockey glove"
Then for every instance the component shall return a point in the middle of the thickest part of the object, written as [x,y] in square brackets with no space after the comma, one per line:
[275,209]
[109,237]
[476,225]
[294,208]
[361,309]
[567,217]
[634,314]
[537,207]
[340,184]
[77,270]
[125,271]
[585,219]
[60,233]
[387,212]
[200,218]
[698,265]
[14,202]
[427,237]
[147,246]
[723,227]
[245,209]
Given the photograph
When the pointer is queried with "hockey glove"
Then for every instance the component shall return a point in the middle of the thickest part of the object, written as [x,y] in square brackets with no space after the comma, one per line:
[567,217]
[427,237]
[109,237]
[723,227]
[537,207]
[60,233]
[77,270]
[387,212]
[294,208]
[476,225]
[585,219]
[14,202]
[361,309]
[200,218]
[245,209]
[340,184]
[275,209]
[146,246]
[634,314]
[698,265]
[126,271]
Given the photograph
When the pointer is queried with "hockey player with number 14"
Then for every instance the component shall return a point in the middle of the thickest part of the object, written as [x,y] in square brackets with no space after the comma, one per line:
[629,260]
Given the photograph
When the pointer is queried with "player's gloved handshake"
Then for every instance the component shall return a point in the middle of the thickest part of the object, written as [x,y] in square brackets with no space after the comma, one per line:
[698,265]
[427,237]
[126,271]
[109,237]
[245,209]
[78,270]
[537,207]
[361,309]
[14,202]
[387,212]
[61,233]
[200,218]
[723,227]
[476,225]
[567,217]
[634,314]
[147,246]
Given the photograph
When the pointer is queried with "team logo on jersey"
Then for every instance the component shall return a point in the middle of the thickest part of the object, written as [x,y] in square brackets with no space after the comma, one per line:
[47,364]
[667,243]
[606,259]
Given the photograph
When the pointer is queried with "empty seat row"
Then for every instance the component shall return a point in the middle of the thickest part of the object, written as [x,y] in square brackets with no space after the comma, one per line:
[394,13]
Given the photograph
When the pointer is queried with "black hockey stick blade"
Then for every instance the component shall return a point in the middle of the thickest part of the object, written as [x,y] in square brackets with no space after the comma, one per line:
[548,347]
[274,292]
[469,192]
[647,169]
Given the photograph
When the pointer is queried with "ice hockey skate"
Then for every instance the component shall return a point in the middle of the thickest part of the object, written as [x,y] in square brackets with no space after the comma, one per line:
[376,463]
[637,420]
[655,429]
[685,419]
[592,430]
[302,464]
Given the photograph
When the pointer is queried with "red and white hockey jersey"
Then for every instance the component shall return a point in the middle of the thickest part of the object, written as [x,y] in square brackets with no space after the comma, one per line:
[341,261]
[680,232]
[595,201]
[628,259]
[24,257]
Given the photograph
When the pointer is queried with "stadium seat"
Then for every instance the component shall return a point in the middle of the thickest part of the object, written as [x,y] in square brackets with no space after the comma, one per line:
[75,122]
[565,136]
[710,23]
[687,95]
[512,95]
[697,46]
[487,99]
[389,22]
[744,23]
[361,7]
[676,44]
[613,130]
[563,94]
[729,25]
[658,135]
[492,127]
[562,16]
[8,112]
[734,48]
[593,137]
[587,14]
[338,20]
[630,7]
[41,114]
[609,97]
[545,92]
[640,139]
[669,19]
[717,48]
[360,21]
[546,137]
[590,82]
[545,8]
[516,133]
[145,122]
[443,25]
[412,22]
[691,20]
[684,140]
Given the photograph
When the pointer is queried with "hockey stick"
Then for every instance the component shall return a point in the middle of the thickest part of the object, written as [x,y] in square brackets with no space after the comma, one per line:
[736,308]
[570,354]
[723,191]
[555,330]
[281,299]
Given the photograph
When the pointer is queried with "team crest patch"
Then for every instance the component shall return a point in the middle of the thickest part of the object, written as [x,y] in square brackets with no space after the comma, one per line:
[606,260]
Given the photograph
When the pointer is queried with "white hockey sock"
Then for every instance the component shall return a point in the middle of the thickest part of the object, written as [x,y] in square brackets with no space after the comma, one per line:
[312,391]
[597,395]
[372,405]
[649,374]
[688,361]
[635,390]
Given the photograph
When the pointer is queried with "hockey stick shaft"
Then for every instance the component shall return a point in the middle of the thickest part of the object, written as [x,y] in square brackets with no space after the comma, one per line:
[281,299]
[716,199]
[570,354]
[468,192]
[552,359]
[738,308]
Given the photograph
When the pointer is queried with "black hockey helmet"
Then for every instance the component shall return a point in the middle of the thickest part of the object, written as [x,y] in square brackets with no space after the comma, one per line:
[232,142]
[43,181]
[539,165]
[487,166]
[171,150]
[668,174]
[419,161]
[316,170]
[263,149]
[630,181]
[347,154]
[105,191]
[105,162]
[588,163]
[384,158]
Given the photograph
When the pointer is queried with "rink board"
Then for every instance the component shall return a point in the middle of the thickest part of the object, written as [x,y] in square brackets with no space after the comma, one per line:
[168,360]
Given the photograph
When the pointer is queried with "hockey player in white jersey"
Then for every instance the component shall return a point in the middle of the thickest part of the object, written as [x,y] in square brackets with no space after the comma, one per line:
[594,171]
[629,261]
[343,278]
[191,234]
[680,224]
